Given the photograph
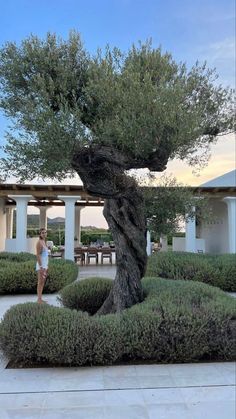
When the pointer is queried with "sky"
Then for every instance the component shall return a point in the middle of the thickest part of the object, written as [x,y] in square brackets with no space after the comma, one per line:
[200,30]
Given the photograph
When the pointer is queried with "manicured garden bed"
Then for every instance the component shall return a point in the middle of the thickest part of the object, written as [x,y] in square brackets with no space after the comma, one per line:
[18,275]
[87,295]
[216,270]
[178,321]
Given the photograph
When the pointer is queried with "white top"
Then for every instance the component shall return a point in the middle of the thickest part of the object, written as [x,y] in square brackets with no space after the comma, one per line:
[44,259]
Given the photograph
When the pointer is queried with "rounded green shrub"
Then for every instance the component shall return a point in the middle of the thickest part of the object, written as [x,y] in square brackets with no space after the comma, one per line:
[86,295]
[226,265]
[46,334]
[19,276]
[181,321]
[216,270]
[178,321]
[16,257]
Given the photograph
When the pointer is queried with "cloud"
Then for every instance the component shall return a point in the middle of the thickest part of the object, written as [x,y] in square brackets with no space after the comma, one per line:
[218,18]
[221,55]
[224,49]
[222,160]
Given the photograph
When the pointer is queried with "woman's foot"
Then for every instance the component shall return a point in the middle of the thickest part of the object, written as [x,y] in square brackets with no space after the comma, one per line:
[40,301]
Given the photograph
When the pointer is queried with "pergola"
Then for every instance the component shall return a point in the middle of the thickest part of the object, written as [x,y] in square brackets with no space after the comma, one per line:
[216,236]
[43,197]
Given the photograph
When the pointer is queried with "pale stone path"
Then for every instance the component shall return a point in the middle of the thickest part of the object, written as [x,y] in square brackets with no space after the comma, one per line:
[183,391]
[178,391]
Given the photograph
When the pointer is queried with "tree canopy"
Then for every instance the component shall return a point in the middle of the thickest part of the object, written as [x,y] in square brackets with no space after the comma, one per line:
[140,104]
[100,116]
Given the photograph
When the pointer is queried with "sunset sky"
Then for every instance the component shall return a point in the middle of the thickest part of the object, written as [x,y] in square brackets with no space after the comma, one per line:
[199,30]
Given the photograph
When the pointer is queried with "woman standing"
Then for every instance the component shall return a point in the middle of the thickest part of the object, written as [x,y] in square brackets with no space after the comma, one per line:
[42,263]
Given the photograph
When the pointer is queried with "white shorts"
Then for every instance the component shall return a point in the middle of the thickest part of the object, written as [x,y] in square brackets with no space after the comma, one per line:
[44,266]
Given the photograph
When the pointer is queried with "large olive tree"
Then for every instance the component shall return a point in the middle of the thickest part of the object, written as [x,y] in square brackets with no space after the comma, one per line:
[100,116]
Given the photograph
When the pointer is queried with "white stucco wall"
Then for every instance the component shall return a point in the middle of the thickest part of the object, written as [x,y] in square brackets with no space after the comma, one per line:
[2,225]
[11,245]
[179,245]
[215,231]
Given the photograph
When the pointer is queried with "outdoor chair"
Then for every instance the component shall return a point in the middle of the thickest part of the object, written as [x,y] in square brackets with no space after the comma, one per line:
[106,254]
[79,255]
[92,253]
[58,254]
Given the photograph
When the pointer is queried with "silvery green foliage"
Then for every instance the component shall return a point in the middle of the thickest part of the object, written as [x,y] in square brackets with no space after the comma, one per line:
[140,103]
[168,203]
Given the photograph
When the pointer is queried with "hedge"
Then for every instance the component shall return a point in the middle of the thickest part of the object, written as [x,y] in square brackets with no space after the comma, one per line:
[80,295]
[18,275]
[216,270]
[16,257]
[178,321]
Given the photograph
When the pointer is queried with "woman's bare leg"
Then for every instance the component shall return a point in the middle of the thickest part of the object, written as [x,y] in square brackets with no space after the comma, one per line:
[40,285]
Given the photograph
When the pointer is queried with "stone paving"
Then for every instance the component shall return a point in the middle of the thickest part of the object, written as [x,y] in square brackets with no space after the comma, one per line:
[183,391]
[173,391]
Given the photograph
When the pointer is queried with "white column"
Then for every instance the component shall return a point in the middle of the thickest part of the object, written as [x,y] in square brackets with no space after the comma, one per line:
[190,234]
[9,221]
[149,245]
[231,204]
[2,224]
[77,223]
[69,224]
[21,221]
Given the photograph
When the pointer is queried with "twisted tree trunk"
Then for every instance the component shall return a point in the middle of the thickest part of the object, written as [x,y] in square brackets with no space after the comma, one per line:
[126,220]
[124,212]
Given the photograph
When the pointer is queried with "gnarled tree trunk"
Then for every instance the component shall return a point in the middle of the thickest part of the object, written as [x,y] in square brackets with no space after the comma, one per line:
[126,220]
[124,212]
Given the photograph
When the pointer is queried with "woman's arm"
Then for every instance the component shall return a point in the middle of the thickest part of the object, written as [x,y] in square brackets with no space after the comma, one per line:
[38,253]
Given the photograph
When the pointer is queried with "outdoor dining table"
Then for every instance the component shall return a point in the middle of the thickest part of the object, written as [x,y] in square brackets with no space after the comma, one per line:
[84,250]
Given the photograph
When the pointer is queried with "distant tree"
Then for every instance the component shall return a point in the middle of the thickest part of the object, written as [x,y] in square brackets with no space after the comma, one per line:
[170,203]
[100,116]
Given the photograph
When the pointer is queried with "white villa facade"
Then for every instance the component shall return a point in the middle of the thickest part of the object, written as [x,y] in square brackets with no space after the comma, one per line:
[215,236]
